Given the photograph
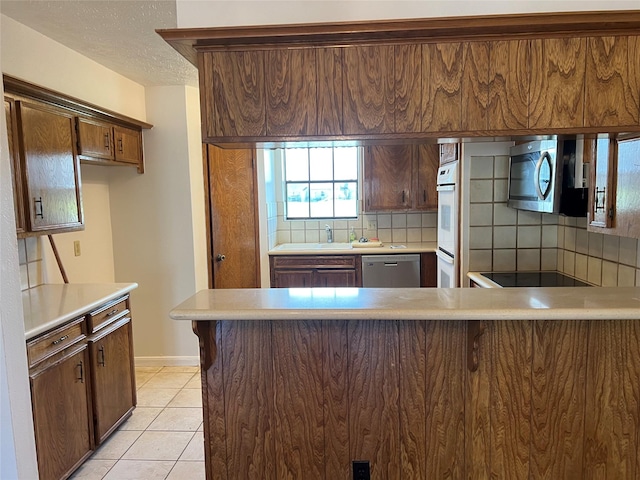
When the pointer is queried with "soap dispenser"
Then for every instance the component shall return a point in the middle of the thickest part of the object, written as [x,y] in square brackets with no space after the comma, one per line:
[352,235]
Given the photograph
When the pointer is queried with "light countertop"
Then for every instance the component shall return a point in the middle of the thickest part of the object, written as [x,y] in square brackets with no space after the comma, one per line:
[560,303]
[346,248]
[47,306]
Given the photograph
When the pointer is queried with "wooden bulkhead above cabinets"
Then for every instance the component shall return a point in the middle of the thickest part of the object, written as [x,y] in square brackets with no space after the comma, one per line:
[408,80]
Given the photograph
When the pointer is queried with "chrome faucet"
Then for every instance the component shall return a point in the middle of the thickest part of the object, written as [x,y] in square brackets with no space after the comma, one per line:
[329,234]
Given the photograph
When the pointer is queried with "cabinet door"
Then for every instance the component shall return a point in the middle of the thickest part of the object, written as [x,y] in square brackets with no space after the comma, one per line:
[16,171]
[329,96]
[334,278]
[291,92]
[442,89]
[112,377]
[387,177]
[408,88]
[612,82]
[95,140]
[603,188]
[627,200]
[52,170]
[232,86]
[61,415]
[427,160]
[292,278]
[128,145]
[368,93]
[509,78]
[557,83]
[475,86]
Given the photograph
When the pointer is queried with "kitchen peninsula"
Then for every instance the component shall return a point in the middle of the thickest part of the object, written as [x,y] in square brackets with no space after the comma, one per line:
[420,383]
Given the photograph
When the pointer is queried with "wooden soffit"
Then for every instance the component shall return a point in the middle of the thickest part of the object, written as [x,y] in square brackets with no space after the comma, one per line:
[189,41]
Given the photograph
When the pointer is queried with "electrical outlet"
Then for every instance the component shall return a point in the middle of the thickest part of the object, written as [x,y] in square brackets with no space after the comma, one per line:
[76,248]
[361,470]
[372,225]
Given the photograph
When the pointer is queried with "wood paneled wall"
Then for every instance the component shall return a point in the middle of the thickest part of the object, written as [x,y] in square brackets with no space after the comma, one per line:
[303,399]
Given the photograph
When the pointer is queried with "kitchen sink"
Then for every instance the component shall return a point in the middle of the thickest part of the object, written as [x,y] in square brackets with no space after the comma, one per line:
[314,246]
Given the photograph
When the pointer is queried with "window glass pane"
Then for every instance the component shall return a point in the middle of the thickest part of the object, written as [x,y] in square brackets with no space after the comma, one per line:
[346,163]
[296,164]
[346,199]
[320,197]
[321,163]
[297,200]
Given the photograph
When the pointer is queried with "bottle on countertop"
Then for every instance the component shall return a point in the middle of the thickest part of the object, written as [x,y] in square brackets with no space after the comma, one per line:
[352,235]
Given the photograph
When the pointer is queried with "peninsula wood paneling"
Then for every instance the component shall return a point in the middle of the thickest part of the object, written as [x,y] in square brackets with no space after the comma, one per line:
[612,420]
[238,93]
[442,65]
[329,83]
[291,92]
[558,408]
[557,83]
[408,88]
[611,97]
[299,399]
[368,89]
[475,86]
[374,432]
[509,79]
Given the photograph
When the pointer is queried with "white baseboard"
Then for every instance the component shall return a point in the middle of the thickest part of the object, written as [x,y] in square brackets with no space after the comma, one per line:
[167,361]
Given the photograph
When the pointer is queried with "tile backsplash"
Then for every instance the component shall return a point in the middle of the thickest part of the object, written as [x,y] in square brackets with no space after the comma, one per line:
[31,263]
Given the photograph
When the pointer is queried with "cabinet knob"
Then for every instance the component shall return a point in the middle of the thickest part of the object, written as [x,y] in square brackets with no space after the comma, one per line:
[220,257]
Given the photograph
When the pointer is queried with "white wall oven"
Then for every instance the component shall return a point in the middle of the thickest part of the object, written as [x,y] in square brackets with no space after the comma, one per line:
[447,253]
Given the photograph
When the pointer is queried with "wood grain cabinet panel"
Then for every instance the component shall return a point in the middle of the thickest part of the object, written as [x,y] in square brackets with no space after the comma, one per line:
[60,398]
[16,169]
[408,88]
[368,89]
[557,83]
[612,82]
[95,139]
[388,177]
[329,83]
[426,163]
[291,92]
[50,167]
[475,87]
[315,271]
[127,145]
[442,65]
[509,81]
[233,89]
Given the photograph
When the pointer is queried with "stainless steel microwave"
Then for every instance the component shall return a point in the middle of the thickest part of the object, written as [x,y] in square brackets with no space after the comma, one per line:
[549,176]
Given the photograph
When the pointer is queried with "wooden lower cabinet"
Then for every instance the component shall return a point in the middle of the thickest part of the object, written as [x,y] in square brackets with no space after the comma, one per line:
[63,423]
[315,271]
[114,393]
[548,399]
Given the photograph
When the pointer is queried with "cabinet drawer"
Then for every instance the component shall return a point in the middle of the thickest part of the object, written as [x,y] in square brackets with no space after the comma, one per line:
[55,341]
[107,313]
[311,261]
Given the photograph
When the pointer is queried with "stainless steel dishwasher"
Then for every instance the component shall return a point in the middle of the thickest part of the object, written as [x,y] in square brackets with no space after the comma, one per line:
[384,271]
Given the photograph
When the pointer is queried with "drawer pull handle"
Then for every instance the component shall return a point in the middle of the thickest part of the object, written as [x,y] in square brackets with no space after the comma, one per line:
[61,339]
[39,212]
[101,356]
[112,313]
[81,373]
[106,142]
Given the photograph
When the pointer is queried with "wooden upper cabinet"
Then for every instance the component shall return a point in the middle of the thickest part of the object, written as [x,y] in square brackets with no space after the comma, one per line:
[233,91]
[612,82]
[475,87]
[602,191]
[408,88]
[16,170]
[291,92]
[388,177]
[557,83]
[329,84]
[128,145]
[442,65]
[95,139]
[368,89]
[51,168]
[509,80]
[426,163]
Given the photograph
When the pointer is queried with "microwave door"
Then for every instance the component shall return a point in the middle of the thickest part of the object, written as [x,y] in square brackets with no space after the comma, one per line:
[544,169]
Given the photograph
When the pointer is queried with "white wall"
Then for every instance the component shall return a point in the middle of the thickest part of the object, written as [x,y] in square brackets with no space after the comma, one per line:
[196,13]
[153,231]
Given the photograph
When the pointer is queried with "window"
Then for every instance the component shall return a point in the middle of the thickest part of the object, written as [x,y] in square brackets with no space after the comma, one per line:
[321,182]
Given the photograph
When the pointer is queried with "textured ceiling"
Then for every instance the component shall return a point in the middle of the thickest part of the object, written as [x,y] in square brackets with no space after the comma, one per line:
[117,34]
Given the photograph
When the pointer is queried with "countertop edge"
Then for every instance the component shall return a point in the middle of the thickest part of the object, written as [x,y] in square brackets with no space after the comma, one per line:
[424,247]
[482,281]
[119,289]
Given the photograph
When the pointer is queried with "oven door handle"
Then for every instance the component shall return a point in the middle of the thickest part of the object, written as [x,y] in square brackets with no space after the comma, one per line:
[445,188]
[443,256]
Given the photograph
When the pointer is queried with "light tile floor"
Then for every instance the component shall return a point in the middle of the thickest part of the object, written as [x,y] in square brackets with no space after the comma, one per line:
[163,439]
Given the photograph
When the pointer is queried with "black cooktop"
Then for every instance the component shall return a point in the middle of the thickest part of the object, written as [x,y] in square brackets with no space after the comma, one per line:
[533,279]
